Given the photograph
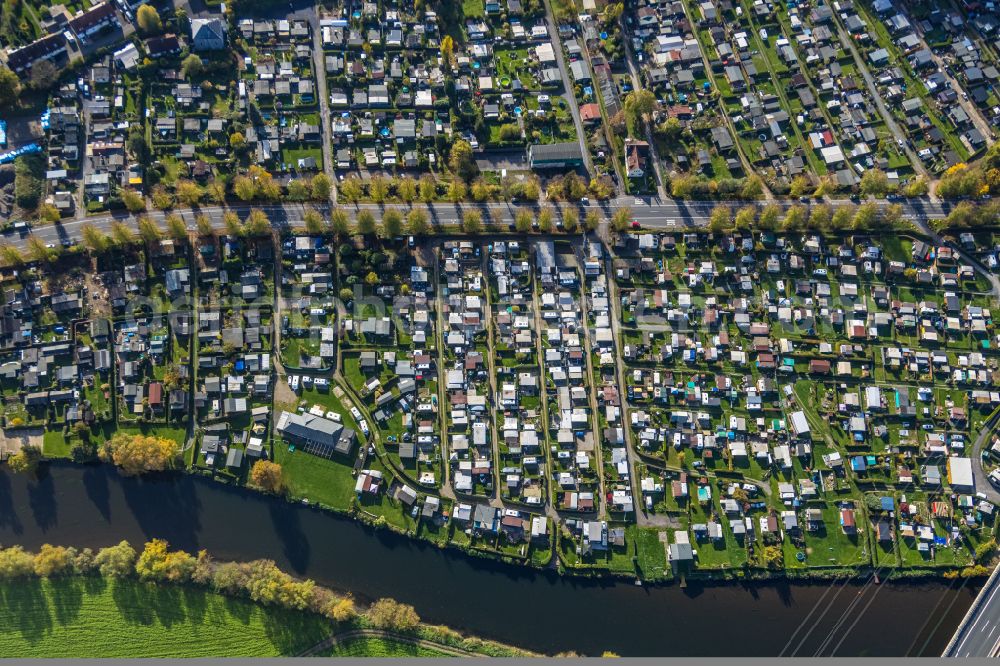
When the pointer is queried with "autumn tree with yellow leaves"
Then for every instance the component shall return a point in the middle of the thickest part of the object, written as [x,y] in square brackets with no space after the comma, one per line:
[268,476]
[135,454]
[157,562]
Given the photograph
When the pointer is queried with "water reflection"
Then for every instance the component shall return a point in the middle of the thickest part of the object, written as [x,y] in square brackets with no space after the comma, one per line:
[94,506]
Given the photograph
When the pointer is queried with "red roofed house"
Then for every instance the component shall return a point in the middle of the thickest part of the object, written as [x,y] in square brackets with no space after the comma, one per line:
[636,153]
[94,20]
[590,113]
[156,396]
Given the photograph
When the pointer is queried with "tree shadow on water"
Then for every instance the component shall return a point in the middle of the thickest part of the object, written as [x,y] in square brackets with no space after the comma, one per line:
[166,506]
[95,482]
[8,514]
[288,527]
[42,499]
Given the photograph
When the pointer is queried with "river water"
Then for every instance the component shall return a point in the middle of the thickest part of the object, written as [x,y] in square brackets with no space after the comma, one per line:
[94,506]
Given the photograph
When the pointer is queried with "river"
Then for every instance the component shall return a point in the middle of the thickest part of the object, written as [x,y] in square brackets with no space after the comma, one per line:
[93,506]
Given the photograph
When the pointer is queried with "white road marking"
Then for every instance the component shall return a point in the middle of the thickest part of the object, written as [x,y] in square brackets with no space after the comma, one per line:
[982,607]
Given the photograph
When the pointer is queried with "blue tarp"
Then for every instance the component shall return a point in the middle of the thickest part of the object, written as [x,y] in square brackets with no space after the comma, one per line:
[11,155]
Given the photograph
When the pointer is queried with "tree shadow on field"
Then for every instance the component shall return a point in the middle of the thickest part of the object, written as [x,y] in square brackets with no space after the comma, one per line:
[291,632]
[240,609]
[95,584]
[131,604]
[25,608]
[68,596]
[167,603]
[195,603]
[148,603]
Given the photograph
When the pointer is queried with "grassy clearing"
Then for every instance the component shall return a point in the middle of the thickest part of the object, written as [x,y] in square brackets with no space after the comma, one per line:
[366,646]
[101,618]
[54,444]
[650,551]
[317,479]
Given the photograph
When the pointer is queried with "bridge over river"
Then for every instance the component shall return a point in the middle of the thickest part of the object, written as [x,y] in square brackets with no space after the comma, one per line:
[978,635]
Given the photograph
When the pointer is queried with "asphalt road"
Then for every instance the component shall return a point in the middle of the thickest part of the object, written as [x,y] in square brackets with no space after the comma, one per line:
[983,484]
[980,635]
[649,212]
[876,97]
[567,83]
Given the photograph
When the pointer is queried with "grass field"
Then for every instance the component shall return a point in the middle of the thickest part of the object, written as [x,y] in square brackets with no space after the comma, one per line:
[99,618]
[316,479]
[367,646]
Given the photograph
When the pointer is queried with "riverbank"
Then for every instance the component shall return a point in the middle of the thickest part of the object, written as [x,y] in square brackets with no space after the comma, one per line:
[95,617]
[640,560]
[66,602]
[71,617]
[94,506]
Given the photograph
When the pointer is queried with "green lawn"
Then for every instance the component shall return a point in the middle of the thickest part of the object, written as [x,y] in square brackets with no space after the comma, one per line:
[367,646]
[830,546]
[650,551]
[317,479]
[291,156]
[54,444]
[176,434]
[99,618]
[473,8]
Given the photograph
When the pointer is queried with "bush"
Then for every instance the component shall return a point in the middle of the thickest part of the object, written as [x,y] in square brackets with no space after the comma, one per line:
[136,454]
[54,561]
[267,476]
[29,171]
[985,550]
[116,561]
[26,460]
[16,563]
[341,610]
[390,614]
[157,562]
[267,584]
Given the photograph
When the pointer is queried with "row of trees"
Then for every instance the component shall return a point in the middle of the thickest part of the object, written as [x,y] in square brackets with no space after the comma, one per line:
[416,221]
[545,220]
[133,454]
[137,454]
[256,185]
[466,183]
[966,215]
[972,180]
[821,217]
[259,580]
[874,183]
[427,189]
[690,186]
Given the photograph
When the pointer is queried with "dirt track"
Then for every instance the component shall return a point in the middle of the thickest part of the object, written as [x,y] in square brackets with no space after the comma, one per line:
[12,439]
